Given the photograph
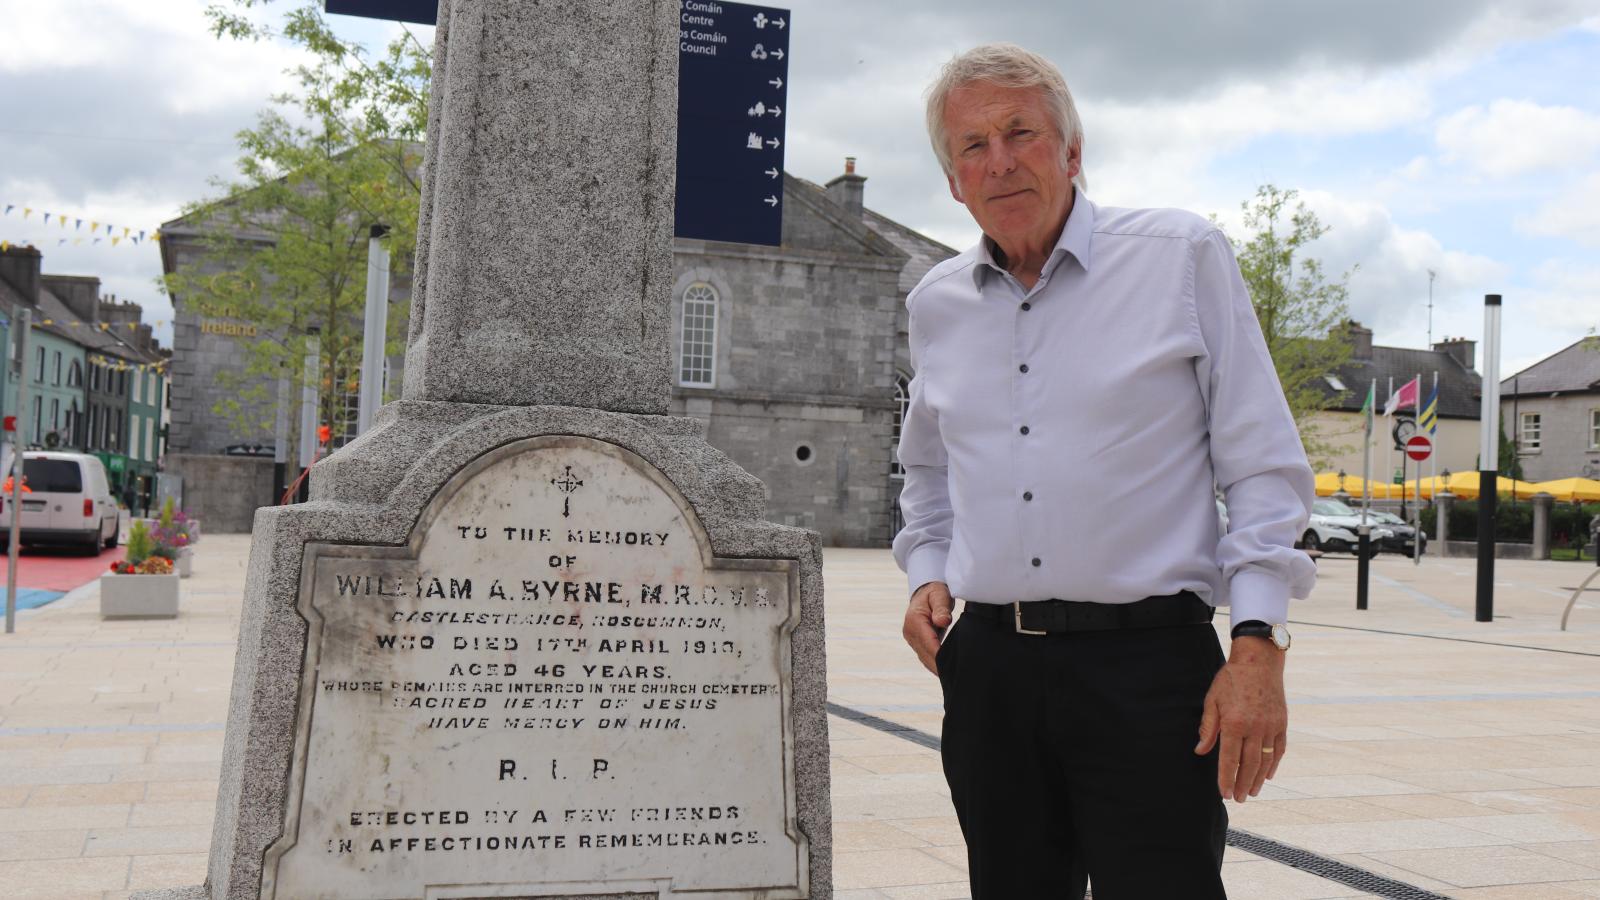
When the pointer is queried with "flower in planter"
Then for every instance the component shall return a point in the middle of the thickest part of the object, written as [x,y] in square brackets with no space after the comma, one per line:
[122,567]
[154,565]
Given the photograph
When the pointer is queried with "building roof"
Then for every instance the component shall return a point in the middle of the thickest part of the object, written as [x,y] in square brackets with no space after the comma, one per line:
[1573,369]
[922,251]
[66,324]
[1460,388]
[52,317]
[925,252]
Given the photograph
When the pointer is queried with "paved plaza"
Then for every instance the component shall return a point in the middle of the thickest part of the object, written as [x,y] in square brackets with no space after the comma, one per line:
[1452,756]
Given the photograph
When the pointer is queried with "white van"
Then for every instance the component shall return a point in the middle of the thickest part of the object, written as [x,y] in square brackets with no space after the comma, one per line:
[66,500]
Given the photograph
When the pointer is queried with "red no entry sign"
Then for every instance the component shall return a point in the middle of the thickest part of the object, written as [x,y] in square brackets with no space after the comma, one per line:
[1419,447]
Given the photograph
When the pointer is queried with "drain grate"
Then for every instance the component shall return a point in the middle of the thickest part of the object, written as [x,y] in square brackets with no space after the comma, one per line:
[1294,857]
[1331,869]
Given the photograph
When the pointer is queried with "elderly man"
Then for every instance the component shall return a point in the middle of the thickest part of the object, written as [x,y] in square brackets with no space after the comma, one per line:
[1086,378]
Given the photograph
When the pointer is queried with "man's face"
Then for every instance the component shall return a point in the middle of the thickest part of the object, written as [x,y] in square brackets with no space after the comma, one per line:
[1007,161]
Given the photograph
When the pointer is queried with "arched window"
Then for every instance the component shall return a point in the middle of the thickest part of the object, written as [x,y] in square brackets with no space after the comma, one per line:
[698,347]
[902,399]
[75,375]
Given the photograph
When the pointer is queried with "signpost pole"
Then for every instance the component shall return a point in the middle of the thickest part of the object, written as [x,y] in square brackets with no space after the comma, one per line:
[280,437]
[21,325]
[308,410]
[377,328]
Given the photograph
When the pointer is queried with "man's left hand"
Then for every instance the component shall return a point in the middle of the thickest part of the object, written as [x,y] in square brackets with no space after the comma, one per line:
[1246,711]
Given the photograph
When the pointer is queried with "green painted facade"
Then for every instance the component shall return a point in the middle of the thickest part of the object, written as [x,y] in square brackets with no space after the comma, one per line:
[55,370]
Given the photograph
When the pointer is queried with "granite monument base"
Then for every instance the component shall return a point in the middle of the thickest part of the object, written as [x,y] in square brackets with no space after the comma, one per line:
[526,651]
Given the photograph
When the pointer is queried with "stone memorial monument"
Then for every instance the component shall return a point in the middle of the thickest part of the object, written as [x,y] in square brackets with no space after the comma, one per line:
[531,637]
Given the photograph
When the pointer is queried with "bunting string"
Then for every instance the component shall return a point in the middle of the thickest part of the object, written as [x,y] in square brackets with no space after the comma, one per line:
[81,229]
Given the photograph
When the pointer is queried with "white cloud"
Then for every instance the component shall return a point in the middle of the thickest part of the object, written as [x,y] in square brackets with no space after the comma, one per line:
[1156,153]
[1389,289]
[121,112]
[1510,137]
[1573,214]
[1566,295]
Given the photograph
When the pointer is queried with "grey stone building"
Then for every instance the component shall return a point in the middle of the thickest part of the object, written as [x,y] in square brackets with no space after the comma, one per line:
[1453,360]
[793,357]
[1552,412]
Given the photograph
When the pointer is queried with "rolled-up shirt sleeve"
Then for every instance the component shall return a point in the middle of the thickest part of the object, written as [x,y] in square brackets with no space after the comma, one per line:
[1256,453]
[923,544]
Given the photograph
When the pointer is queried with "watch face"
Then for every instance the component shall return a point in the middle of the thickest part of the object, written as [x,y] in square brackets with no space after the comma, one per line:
[1405,430]
[1280,636]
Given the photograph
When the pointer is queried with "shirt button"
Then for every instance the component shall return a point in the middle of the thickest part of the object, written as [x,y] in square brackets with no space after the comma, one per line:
[1027,495]
[1024,429]
[1027,306]
[1023,368]
[1037,562]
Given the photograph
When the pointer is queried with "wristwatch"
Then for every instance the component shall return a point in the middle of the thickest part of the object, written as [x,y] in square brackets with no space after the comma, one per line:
[1277,634]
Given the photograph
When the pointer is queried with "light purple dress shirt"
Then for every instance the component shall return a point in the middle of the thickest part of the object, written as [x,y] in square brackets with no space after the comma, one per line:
[1065,441]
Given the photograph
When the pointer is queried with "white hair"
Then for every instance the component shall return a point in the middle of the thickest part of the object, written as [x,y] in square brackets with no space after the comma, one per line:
[1011,66]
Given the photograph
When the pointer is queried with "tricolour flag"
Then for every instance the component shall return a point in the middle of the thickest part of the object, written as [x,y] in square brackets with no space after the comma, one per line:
[1406,396]
[1368,407]
[1428,419]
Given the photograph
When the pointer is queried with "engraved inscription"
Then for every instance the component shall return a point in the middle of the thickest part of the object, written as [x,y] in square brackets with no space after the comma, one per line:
[538,696]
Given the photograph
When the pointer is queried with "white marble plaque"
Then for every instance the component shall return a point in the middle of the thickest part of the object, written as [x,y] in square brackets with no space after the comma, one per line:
[554,689]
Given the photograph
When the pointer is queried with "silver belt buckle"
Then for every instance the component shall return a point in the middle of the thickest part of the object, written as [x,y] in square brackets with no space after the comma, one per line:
[1017,608]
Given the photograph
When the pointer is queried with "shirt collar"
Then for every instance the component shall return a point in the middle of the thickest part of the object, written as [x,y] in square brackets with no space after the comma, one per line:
[1074,240]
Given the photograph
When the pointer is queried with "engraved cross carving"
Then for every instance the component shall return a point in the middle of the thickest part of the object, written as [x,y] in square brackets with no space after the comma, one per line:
[567,484]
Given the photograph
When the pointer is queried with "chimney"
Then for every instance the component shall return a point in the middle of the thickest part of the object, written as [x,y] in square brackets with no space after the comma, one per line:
[846,189]
[119,313]
[20,267]
[79,293]
[1359,338]
[1461,350]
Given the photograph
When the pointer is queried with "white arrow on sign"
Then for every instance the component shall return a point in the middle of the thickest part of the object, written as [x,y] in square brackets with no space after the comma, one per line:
[773,142]
[776,111]
[771,201]
[778,53]
[777,83]
[780,23]
[773,172]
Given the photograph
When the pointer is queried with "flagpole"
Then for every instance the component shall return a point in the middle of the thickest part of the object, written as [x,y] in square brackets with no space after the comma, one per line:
[1416,505]
[1433,461]
[1388,458]
[1366,497]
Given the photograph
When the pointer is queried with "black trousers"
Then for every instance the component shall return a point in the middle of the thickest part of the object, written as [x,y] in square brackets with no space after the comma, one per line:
[1070,757]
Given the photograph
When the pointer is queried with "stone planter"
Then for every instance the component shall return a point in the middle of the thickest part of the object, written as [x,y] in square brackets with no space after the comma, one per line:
[138,596]
[185,562]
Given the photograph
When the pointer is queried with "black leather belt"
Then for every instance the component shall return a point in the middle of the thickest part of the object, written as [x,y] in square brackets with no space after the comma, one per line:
[1058,616]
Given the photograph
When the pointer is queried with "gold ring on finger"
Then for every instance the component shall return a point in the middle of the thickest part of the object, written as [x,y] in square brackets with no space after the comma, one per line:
[1266,749]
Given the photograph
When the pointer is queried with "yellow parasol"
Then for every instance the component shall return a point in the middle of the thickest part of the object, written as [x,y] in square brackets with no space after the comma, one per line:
[1465,486]
[1570,490]
[1328,484]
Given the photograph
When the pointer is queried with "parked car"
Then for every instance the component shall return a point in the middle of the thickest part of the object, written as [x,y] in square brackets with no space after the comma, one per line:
[66,500]
[1402,535]
[1333,528]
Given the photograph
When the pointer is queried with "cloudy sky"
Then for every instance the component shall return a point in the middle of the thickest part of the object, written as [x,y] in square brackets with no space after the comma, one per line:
[1461,136]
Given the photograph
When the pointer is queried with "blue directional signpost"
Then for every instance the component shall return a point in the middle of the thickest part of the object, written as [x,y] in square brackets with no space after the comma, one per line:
[420,12]
[733,84]
[733,71]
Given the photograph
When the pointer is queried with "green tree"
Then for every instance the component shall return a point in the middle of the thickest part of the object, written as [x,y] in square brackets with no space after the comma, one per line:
[1510,464]
[286,240]
[1300,308]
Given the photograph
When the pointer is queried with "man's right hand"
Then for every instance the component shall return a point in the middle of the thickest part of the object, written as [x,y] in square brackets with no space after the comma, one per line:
[926,620]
